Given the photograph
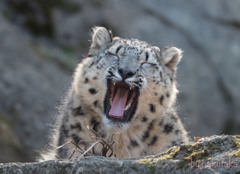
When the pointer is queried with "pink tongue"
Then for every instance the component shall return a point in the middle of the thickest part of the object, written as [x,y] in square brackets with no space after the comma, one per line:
[119,102]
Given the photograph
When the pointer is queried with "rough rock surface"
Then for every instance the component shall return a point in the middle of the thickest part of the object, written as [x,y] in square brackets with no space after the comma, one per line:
[30,87]
[216,154]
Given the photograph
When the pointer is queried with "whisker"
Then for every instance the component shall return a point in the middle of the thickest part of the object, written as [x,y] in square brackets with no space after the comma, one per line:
[148,93]
[102,79]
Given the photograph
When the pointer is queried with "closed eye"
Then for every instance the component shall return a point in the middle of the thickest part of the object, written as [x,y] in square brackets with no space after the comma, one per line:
[112,54]
[152,64]
[149,68]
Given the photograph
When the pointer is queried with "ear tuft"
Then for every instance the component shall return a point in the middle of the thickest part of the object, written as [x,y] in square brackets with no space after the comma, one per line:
[157,49]
[171,56]
[101,38]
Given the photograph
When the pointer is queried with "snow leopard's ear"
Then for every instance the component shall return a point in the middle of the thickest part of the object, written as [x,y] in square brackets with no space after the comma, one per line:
[171,56]
[101,38]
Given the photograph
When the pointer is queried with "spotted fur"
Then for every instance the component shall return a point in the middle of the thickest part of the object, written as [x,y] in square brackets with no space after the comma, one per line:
[155,125]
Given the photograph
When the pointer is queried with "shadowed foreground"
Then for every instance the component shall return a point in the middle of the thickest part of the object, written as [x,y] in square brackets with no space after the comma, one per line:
[215,154]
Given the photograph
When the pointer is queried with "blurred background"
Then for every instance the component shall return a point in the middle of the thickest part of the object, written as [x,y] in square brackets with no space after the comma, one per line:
[42,41]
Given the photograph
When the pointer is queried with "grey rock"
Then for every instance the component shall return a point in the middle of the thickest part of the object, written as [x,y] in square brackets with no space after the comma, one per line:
[216,154]
[30,88]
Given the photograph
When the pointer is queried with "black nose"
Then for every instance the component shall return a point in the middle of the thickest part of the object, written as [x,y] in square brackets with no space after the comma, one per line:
[125,73]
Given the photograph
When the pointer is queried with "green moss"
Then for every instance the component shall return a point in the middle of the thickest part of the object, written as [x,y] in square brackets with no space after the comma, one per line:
[237,141]
[236,144]
[147,160]
[237,154]
[174,152]
[150,162]
[164,157]
[195,151]
[216,146]
[197,155]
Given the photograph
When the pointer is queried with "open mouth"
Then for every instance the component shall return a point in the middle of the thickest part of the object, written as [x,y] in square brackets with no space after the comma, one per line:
[120,102]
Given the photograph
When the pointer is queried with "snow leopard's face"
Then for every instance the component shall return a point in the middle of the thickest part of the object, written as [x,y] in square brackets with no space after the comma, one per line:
[133,77]
[131,65]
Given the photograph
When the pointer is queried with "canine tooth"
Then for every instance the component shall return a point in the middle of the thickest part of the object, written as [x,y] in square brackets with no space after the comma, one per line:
[114,83]
[130,88]
[111,101]
[126,108]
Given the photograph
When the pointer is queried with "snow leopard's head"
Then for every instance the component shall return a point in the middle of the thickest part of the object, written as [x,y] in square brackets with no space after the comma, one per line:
[124,78]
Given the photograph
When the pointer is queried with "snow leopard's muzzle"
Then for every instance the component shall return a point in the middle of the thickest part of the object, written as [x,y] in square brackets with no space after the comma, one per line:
[121,98]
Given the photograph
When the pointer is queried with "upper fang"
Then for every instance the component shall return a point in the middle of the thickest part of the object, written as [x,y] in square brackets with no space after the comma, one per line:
[114,83]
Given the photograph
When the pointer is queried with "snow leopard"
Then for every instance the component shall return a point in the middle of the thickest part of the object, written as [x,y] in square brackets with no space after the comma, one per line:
[121,102]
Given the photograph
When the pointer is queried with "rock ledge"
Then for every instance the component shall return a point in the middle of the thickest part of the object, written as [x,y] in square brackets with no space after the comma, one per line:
[215,154]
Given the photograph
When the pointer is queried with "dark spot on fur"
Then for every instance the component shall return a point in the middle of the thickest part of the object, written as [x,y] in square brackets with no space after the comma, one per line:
[118,48]
[99,67]
[95,123]
[75,138]
[144,118]
[103,135]
[145,135]
[161,74]
[155,93]
[78,111]
[86,80]
[161,122]
[147,56]
[144,152]
[76,126]
[171,79]
[152,108]
[161,99]
[134,143]
[95,103]
[137,126]
[64,131]
[95,78]
[91,65]
[167,94]
[177,131]
[173,117]
[92,91]
[168,128]
[149,128]
[153,140]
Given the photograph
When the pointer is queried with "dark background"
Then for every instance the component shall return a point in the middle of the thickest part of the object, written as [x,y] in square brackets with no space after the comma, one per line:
[42,41]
